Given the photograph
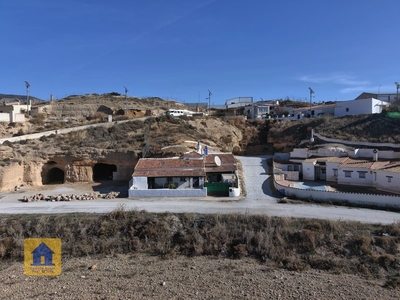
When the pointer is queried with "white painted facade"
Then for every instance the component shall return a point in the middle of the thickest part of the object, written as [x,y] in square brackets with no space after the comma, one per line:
[387,181]
[256,111]
[355,176]
[360,106]
[336,197]
[360,167]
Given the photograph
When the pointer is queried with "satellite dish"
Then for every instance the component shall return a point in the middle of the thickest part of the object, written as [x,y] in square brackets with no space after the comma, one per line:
[217,161]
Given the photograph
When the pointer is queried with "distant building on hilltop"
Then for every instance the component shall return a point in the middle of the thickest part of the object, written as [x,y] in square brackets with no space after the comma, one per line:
[387,97]
[238,102]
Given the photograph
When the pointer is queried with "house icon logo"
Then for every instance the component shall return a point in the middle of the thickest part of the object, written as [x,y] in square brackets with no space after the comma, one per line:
[42,257]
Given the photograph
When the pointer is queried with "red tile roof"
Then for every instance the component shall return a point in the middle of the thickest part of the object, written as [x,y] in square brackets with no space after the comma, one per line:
[228,163]
[188,165]
[168,167]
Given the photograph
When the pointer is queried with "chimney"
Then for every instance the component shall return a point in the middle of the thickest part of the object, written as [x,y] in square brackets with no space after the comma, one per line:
[375,155]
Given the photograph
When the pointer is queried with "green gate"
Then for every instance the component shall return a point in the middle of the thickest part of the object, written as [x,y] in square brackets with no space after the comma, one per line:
[217,189]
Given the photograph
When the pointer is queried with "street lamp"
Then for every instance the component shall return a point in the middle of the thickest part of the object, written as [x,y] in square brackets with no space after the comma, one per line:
[209,101]
[126,102]
[398,86]
[27,85]
[311,92]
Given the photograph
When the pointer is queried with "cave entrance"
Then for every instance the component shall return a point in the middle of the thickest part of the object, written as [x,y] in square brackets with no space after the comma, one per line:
[53,176]
[103,172]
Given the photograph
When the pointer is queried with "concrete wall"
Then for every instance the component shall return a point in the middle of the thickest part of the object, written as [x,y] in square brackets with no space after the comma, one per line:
[355,177]
[367,144]
[357,107]
[168,193]
[382,181]
[299,153]
[139,183]
[330,173]
[308,171]
[337,197]
[5,117]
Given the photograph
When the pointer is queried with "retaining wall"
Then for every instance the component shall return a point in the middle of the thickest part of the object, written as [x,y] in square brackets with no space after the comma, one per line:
[385,201]
[168,193]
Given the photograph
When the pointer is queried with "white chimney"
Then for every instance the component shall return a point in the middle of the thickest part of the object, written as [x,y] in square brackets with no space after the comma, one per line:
[375,155]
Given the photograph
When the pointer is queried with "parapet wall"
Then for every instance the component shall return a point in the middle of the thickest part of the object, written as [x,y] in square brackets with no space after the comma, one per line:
[385,201]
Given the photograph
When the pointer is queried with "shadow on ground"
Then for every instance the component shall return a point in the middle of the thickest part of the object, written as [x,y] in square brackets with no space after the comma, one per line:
[107,186]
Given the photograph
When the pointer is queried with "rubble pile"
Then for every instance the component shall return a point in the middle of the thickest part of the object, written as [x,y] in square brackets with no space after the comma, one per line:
[70,197]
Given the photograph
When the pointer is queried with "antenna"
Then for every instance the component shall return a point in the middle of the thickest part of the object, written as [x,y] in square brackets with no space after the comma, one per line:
[311,92]
[209,100]
[27,85]
[126,102]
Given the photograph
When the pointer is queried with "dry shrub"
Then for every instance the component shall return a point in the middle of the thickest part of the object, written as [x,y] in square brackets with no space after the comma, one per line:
[360,245]
[295,244]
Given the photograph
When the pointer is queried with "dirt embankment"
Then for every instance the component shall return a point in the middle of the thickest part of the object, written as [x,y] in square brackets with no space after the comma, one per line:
[149,277]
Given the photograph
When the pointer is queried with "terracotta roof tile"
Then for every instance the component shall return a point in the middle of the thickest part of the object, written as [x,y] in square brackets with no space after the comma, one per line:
[160,167]
[228,163]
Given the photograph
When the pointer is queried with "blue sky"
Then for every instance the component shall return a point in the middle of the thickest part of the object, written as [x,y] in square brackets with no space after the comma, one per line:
[179,49]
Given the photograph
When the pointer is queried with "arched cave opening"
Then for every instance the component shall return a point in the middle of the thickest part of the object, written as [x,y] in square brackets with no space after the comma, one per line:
[103,172]
[53,176]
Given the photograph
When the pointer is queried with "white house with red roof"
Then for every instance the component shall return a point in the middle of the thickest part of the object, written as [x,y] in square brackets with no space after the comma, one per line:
[190,175]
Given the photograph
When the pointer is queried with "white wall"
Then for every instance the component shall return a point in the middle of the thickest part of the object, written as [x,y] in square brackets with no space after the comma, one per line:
[5,117]
[299,153]
[355,178]
[168,193]
[327,196]
[357,107]
[330,174]
[308,171]
[138,183]
[382,182]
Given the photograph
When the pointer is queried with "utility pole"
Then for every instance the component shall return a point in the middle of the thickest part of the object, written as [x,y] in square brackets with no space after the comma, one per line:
[209,101]
[126,101]
[398,86]
[311,93]
[27,85]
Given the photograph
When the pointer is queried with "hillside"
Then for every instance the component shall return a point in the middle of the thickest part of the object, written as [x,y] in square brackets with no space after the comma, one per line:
[118,145]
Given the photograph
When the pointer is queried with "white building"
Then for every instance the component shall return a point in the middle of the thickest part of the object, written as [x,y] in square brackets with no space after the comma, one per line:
[257,111]
[360,167]
[238,102]
[360,106]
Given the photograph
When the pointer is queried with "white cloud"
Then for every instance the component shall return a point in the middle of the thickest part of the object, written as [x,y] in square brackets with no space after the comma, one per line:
[354,89]
[339,79]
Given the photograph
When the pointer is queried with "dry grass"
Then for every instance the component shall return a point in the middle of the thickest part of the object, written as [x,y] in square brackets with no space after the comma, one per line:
[294,244]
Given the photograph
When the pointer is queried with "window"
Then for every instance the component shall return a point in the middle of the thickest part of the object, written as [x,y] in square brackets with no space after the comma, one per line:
[347,174]
[361,174]
[290,168]
[389,178]
[347,109]
[335,172]
[182,179]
